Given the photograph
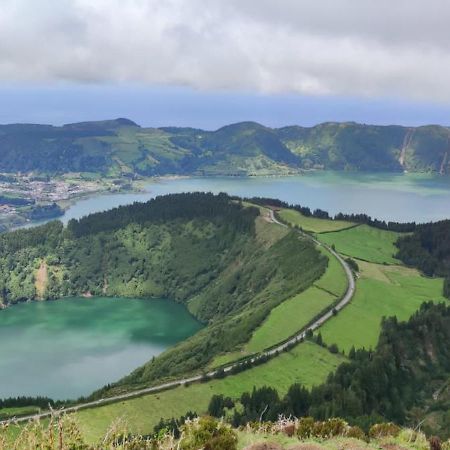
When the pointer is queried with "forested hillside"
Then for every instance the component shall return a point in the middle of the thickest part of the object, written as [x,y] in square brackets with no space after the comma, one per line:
[404,380]
[121,147]
[203,250]
[428,248]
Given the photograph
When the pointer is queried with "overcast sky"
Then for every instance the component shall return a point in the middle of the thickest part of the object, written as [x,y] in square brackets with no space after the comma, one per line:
[357,53]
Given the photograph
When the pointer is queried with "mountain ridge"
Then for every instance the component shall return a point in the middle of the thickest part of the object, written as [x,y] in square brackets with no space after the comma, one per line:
[122,147]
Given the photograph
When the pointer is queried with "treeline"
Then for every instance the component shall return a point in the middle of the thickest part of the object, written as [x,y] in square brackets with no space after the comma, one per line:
[185,206]
[321,214]
[411,361]
[17,402]
[428,249]
[43,212]
[46,236]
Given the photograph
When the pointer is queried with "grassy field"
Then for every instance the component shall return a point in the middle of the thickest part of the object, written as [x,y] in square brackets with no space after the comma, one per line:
[289,317]
[334,279]
[307,363]
[312,223]
[294,313]
[364,242]
[18,411]
[380,291]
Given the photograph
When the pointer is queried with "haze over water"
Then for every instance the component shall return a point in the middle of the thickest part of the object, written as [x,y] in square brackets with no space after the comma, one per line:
[387,196]
[68,348]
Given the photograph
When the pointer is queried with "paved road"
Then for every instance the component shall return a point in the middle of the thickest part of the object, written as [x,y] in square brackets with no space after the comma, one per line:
[171,384]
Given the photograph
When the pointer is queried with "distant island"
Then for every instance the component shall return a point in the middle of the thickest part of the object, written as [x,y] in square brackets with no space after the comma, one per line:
[121,148]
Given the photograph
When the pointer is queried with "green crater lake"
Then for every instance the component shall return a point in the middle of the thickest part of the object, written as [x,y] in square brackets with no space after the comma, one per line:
[68,348]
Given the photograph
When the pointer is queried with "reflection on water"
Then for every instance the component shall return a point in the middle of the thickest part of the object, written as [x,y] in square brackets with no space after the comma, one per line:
[68,348]
[397,197]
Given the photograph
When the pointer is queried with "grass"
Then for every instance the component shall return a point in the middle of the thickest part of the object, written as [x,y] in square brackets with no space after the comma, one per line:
[364,242]
[380,291]
[312,223]
[18,411]
[289,317]
[334,279]
[307,363]
[293,314]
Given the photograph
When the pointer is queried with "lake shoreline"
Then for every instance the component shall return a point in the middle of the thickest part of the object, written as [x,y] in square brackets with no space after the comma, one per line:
[419,197]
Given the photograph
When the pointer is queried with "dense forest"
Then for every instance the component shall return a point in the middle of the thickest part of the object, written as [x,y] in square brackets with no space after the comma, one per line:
[428,248]
[121,147]
[402,380]
[200,249]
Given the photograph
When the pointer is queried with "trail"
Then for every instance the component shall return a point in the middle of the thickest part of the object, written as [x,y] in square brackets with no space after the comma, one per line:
[406,143]
[196,378]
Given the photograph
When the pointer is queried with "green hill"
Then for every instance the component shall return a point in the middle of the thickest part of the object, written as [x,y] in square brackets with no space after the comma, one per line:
[121,147]
[207,251]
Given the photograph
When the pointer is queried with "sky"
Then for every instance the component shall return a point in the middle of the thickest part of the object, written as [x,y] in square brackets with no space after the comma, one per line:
[206,63]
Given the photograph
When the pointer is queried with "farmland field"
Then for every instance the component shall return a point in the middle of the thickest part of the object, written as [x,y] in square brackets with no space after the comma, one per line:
[380,291]
[312,224]
[364,242]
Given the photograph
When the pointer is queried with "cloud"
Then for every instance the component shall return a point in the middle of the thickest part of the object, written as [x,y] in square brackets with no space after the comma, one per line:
[326,47]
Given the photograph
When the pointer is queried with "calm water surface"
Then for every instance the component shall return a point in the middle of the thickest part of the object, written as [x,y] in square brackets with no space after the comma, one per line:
[68,348]
[398,197]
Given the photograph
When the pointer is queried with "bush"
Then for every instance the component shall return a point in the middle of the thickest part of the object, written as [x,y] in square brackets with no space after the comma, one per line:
[333,348]
[208,434]
[308,428]
[330,428]
[384,429]
[305,427]
[356,433]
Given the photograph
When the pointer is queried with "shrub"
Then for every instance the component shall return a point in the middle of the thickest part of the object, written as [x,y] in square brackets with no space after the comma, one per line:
[305,427]
[409,436]
[330,428]
[356,433]
[308,428]
[333,348]
[384,429]
[208,434]
[435,443]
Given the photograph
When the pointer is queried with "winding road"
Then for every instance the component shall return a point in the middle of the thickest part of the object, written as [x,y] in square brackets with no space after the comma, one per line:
[172,384]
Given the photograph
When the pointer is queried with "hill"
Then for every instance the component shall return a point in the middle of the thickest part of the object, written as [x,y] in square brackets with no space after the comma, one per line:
[121,147]
[206,251]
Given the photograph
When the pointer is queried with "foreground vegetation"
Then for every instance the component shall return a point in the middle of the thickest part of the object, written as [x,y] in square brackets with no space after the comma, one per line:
[63,433]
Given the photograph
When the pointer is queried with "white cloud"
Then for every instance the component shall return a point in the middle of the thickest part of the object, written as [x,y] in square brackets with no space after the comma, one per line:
[339,47]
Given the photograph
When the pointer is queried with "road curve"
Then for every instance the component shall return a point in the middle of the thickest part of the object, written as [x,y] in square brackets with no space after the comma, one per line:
[171,384]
